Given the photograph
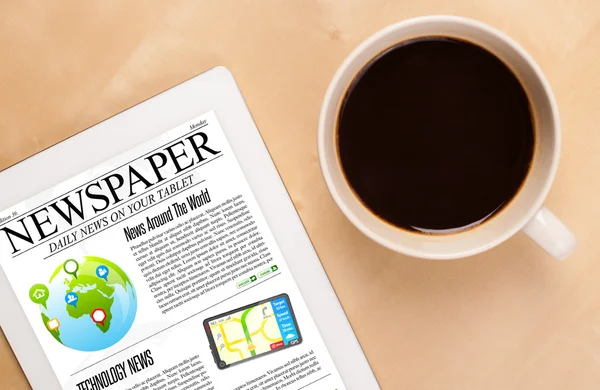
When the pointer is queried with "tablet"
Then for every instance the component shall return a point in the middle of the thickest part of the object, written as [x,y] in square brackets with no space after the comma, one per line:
[159,249]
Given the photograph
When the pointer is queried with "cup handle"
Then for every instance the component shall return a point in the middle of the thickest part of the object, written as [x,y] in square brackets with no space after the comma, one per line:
[546,230]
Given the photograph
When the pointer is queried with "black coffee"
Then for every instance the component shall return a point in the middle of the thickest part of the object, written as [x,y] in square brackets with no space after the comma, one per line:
[435,135]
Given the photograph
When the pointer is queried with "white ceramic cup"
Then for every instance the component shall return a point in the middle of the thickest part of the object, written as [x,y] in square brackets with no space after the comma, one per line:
[525,212]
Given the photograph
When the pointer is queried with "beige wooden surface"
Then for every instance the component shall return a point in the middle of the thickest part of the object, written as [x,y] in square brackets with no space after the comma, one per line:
[508,319]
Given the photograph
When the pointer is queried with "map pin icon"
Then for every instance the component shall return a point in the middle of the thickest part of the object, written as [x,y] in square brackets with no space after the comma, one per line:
[99,316]
[38,293]
[71,299]
[71,267]
[102,272]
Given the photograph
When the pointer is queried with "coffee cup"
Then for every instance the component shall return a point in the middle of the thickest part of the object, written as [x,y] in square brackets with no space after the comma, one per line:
[525,212]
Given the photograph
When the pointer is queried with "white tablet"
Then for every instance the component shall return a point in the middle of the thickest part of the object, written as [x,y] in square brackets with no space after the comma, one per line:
[159,250]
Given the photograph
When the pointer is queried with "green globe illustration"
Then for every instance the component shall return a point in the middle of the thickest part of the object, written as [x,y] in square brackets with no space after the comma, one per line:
[89,304]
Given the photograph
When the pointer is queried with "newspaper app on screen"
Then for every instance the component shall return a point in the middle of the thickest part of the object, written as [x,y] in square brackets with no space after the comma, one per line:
[157,270]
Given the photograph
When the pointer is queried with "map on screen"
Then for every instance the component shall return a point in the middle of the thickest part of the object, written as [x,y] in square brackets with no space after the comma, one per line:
[252,331]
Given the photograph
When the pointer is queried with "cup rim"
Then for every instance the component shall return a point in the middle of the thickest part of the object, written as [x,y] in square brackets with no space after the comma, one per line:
[331,99]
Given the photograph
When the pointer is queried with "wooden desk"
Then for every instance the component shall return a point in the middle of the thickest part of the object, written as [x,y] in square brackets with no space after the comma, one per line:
[508,319]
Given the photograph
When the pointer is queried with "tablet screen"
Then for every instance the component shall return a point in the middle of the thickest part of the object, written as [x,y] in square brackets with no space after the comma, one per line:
[158,270]
[252,331]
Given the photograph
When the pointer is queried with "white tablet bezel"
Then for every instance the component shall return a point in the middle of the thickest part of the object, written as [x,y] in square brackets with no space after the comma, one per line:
[213,90]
